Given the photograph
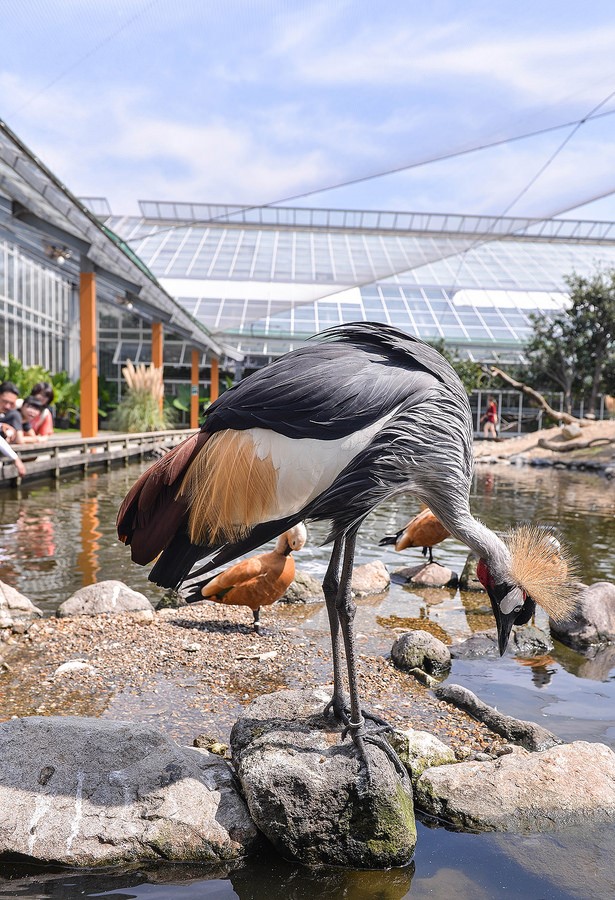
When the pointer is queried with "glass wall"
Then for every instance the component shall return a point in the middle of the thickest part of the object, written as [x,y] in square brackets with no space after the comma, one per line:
[122,335]
[35,312]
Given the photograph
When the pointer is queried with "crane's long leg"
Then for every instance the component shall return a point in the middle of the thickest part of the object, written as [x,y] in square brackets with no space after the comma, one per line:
[346,609]
[330,587]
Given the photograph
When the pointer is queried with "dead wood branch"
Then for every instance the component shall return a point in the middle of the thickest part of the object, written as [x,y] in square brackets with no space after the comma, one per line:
[538,398]
[567,446]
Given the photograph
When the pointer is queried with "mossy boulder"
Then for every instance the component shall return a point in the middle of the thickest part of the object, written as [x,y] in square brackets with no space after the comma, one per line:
[420,750]
[310,793]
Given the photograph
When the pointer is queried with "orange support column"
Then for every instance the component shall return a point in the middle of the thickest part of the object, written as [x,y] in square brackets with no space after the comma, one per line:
[214,389]
[157,348]
[194,390]
[89,362]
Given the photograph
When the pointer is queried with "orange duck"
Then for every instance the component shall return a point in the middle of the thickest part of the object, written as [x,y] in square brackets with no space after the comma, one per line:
[424,530]
[259,580]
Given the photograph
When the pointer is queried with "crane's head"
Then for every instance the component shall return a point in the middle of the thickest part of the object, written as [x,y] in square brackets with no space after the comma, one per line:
[537,570]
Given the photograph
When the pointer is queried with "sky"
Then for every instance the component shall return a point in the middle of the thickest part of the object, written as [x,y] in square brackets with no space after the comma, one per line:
[262,101]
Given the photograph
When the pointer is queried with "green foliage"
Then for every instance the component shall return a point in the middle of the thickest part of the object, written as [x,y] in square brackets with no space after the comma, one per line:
[592,310]
[574,349]
[24,377]
[107,396]
[470,373]
[181,402]
[67,396]
[554,356]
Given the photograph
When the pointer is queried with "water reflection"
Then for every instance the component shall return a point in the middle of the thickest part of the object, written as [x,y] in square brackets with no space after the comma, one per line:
[543,669]
[568,865]
[87,559]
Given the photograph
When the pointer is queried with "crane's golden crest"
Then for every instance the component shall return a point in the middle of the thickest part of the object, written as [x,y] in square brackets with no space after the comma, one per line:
[544,569]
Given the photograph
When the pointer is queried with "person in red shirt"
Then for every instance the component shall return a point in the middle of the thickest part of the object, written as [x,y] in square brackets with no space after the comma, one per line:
[490,419]
[41,424]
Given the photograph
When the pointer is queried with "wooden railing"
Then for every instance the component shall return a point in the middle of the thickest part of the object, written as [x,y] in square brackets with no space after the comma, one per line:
[61,454]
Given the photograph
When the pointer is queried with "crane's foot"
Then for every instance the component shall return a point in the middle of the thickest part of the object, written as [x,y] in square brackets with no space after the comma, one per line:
[341,713]
[362,736]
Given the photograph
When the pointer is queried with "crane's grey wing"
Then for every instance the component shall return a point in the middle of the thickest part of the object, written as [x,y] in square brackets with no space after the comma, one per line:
[348,378]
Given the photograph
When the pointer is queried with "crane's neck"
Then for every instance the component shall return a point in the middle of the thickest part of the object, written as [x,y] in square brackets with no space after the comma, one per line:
[458,519]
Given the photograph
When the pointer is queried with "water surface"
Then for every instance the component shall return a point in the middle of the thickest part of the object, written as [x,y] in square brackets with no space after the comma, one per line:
[54,540]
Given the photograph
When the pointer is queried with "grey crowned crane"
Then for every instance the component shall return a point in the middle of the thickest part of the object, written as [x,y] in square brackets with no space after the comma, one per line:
[329,431]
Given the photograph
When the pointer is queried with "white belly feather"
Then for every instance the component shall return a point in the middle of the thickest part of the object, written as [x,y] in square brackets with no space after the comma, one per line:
[306,467]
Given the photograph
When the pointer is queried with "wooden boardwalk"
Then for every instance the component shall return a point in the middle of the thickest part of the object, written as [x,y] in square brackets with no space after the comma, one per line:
[65,453]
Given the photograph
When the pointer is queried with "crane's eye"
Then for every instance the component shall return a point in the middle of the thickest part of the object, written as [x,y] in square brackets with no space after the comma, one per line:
[512,601]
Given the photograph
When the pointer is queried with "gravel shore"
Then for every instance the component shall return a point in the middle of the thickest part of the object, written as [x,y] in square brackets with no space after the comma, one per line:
[191,670]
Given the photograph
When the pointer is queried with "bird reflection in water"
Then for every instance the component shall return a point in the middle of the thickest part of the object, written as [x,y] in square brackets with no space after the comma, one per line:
[543,668]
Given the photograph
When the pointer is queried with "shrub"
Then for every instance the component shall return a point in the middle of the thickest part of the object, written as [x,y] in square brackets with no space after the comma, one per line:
[140,407]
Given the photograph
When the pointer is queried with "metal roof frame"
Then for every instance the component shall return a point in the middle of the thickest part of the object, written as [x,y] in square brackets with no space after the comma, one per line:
[42,203]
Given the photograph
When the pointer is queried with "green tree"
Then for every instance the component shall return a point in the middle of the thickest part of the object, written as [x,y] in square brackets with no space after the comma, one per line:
[574,349]
[554,354]
[592,310]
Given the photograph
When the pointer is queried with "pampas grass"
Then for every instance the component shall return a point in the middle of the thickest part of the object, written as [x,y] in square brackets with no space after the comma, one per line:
[141,406]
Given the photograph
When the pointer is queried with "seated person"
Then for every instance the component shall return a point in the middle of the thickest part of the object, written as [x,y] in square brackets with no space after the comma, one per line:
[36,421]
[7,451]
[10,419]
[43,392]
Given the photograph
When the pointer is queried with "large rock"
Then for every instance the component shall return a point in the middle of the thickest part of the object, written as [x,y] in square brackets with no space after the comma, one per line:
[570,432]
[572,784]
[310,794]
[426,575]
[525,641]
[92,792]
[108,597]
[593,621]
[420,750]
[421,650]
[528,734]
[304,589]
[371,578]
[15,609]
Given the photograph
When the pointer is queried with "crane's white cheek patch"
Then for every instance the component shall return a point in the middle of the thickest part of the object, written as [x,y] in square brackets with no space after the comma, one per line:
[307,467]
[512,601]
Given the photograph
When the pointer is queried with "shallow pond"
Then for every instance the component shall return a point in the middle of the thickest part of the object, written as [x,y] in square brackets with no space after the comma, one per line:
[53,540]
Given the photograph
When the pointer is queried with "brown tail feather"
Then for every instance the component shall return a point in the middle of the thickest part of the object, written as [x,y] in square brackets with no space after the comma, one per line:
[151,513]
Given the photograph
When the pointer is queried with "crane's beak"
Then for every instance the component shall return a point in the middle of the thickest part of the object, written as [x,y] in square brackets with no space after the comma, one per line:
[511,606]
[504,622]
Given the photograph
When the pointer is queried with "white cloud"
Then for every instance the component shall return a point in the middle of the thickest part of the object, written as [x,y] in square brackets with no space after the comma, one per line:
[537,66]
[317,97]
